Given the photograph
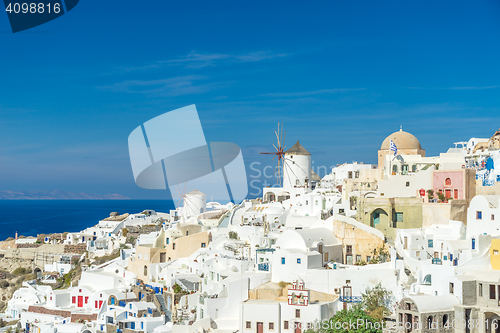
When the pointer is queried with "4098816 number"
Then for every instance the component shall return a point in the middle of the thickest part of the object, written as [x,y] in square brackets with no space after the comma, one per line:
[33,8]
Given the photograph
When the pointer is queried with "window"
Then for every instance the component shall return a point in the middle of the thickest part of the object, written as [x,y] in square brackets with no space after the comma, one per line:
[350,174]
[168,240]
[358,258]
[73,299]
[404,169]
[430,321]
[187,233]
[445,321]
[479,215]
[356,174]
[394,169]
[430,243]
[418,254]
[399,217]
[285,324]
[492,291]
[473,243]
[447,182]
[173,246]
[203,245]
[307,202]
[452,288]
[271,326]
[455,194]
[248,325]
[86,299]
[349,249]
[480,290]
[298,260]
[407,184]
[495,252]
[368,258]
[492,217]
[297,313]
[282,260]
[414,168]
[95,305]
[145,270]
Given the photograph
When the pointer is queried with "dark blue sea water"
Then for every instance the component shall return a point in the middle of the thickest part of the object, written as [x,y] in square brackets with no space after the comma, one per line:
[32,217]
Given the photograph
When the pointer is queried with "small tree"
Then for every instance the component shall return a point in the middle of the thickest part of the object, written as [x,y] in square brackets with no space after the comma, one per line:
[124,232]
[355,315]
[361,263]
[441,197]
[430,194]
[177,289]
[375,301]
[233,235]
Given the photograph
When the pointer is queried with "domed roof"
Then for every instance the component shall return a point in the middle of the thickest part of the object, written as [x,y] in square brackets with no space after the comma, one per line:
[402,140]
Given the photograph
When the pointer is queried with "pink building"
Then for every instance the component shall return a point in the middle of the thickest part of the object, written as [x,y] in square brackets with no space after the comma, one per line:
[456,184]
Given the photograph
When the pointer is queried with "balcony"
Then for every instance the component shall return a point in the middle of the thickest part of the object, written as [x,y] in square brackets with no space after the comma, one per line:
[350,299]
[264,267]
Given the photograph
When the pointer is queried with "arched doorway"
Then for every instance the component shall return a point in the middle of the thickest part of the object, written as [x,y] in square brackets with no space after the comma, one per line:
[493,322]
[269,196]
[378,217]
[38,273]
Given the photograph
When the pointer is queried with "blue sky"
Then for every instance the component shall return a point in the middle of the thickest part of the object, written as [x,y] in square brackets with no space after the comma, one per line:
[340,75]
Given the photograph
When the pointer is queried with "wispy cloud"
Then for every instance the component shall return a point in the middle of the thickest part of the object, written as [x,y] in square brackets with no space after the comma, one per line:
[456,88]
[199,60]
[176,86]
[311,93]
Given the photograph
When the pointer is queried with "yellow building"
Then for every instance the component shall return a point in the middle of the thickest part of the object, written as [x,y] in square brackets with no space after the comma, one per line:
[181,247]
[358,240]
[495,254]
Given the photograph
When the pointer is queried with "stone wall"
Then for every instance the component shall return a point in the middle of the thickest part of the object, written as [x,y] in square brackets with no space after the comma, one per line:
[27,246]
[469,292]
[80,248]
[42,310]
[110,328]
[80,317]
[75,317]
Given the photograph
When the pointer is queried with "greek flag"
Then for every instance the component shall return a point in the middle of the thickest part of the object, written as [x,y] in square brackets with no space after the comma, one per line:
[394,148]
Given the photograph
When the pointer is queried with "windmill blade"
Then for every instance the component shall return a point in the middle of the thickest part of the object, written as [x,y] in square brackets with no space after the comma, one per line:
[277,137]
[274,157]
[275,147]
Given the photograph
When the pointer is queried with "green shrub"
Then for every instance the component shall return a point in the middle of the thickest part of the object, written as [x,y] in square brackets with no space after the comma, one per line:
[21,271]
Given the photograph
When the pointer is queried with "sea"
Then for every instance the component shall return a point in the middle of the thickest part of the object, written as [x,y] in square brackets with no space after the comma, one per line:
[33,217]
